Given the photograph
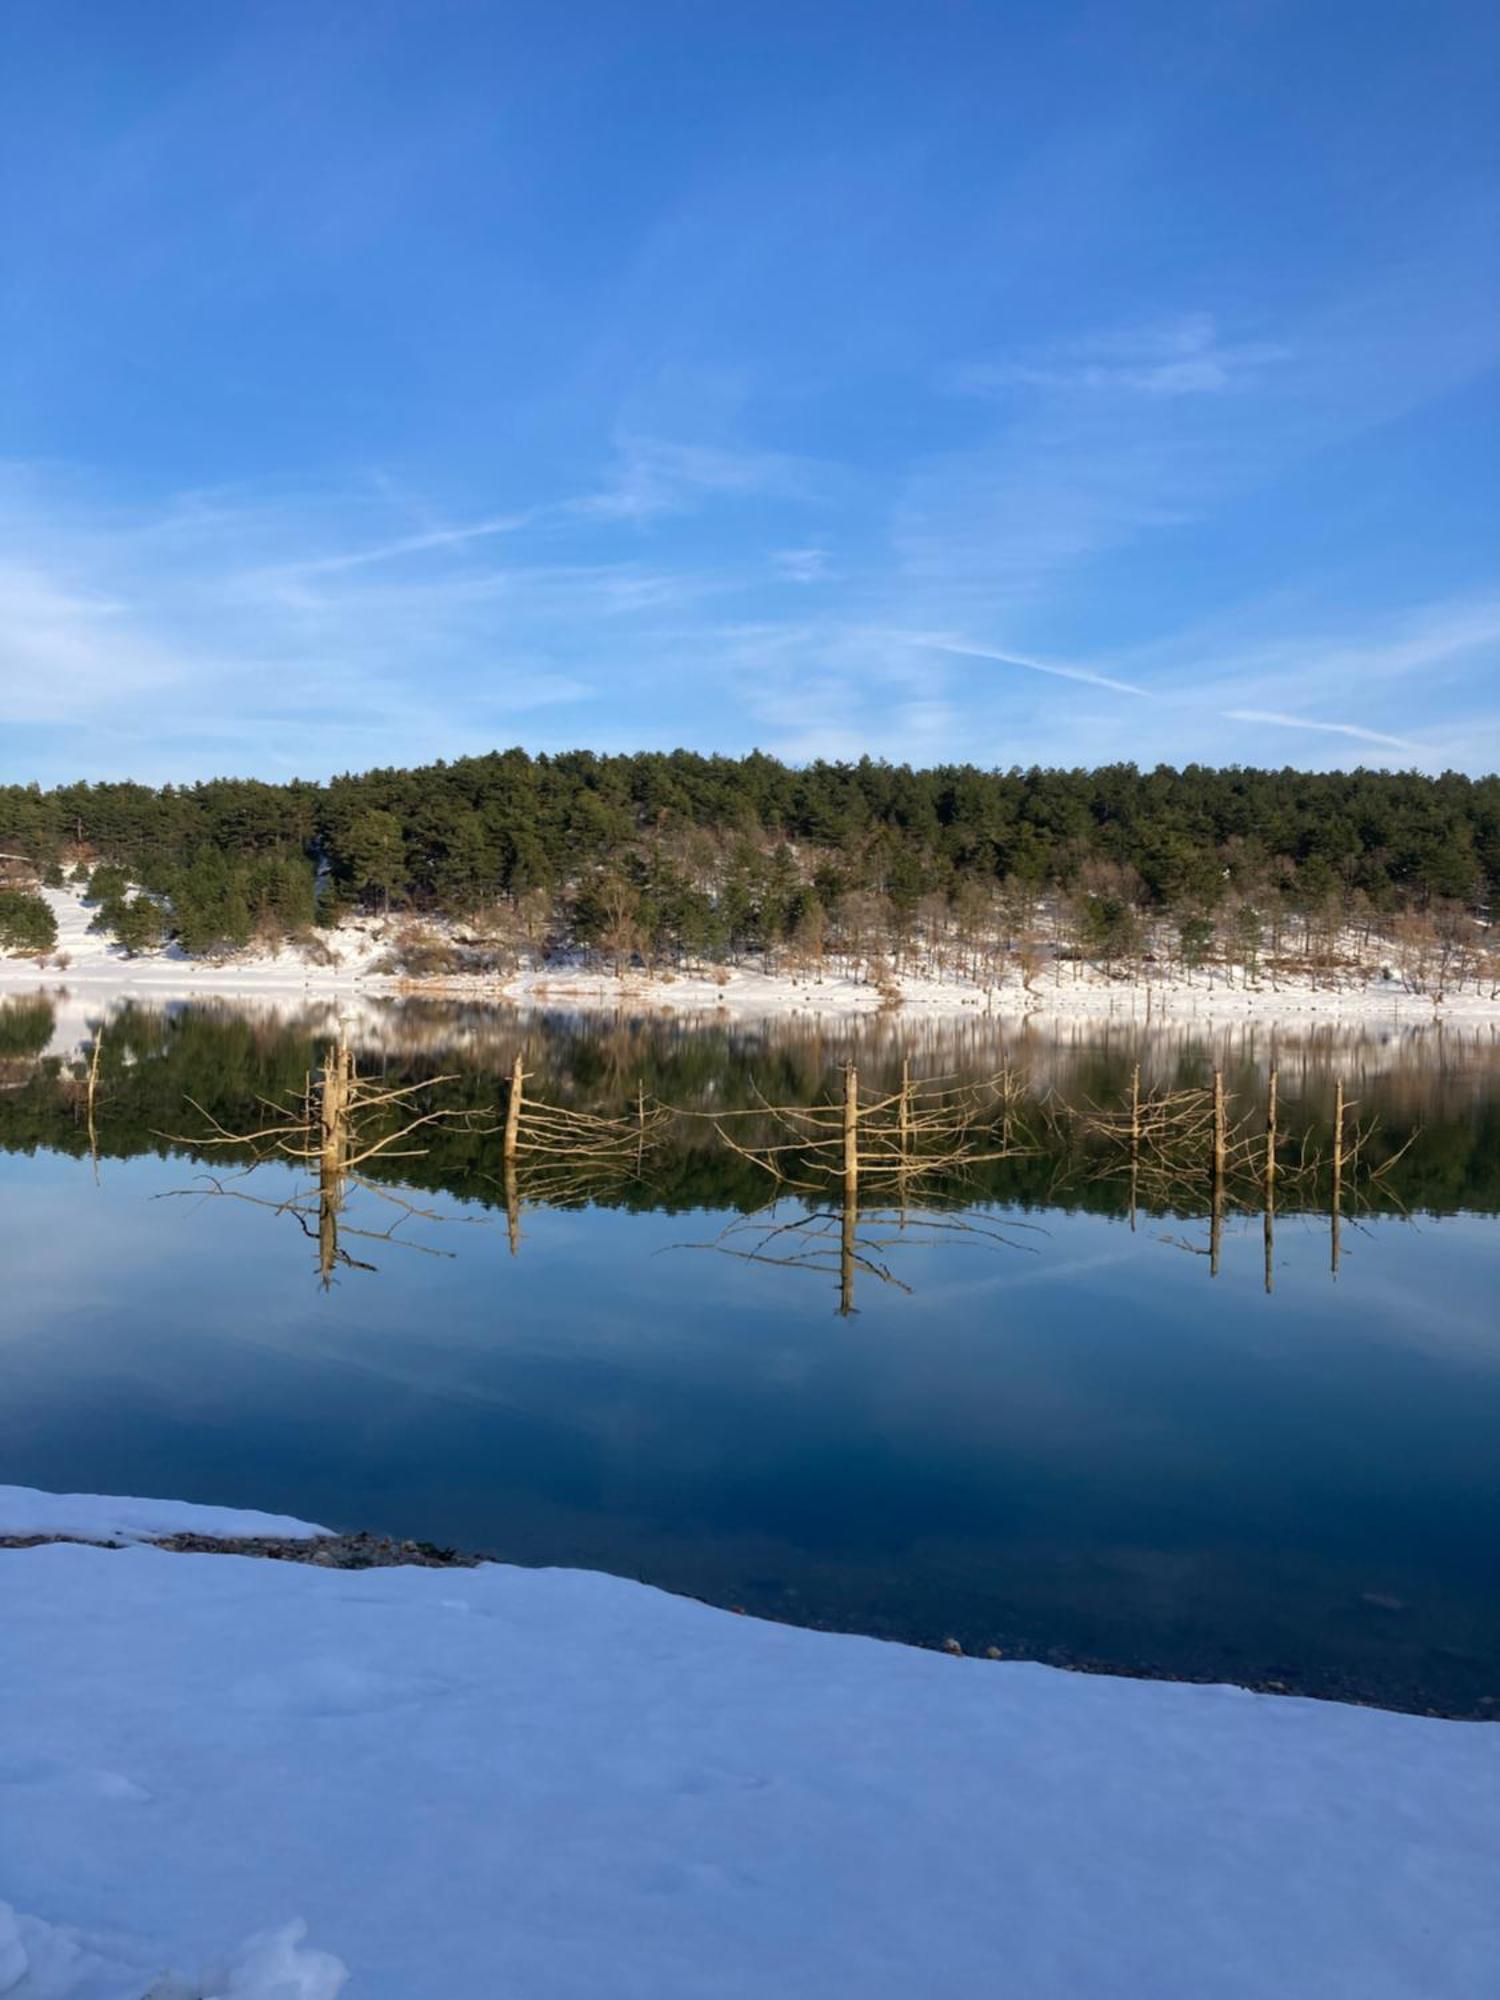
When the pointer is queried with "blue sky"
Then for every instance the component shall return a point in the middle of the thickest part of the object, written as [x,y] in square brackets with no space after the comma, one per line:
[1020,383]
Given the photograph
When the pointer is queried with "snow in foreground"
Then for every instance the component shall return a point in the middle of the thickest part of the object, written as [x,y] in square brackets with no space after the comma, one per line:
[106,1517]
[223,1776]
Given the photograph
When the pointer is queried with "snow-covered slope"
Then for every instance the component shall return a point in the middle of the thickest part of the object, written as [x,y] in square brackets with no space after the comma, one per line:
[88,959]
[94,966]
[107,1517]
[502,1784]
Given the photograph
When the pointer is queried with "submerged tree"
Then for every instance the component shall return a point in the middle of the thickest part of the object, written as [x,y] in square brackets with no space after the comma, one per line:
[342,1124]
[910,1148]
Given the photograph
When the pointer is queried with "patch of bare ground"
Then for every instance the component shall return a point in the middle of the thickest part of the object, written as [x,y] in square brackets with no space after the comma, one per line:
[361,1551]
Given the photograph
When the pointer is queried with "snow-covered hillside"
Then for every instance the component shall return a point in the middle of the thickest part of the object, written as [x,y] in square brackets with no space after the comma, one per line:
[87,958]
[357,956]
[224,1776]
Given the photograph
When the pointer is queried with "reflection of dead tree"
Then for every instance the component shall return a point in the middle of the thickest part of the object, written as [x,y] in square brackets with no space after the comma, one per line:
[1336,1202]
[90,1094]
[1181,1144]
[846,1240]
[78,1090]
[893,1142]
[1349,1177]
[319,1213]
[341,1124]
[1171,1136]
[556,1156]
[1269,1182]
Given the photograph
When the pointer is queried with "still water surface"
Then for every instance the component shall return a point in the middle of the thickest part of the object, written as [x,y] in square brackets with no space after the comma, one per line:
[1041,1429]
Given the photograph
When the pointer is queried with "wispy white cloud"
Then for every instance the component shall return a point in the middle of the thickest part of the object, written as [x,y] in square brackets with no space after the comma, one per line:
[650,477]
[311,631]
[801,565]
[1352,729]
[655,476]
[1180,357]
[207,638]
[1086,675]
[427,543]
[304,631]
[1381,669]
[829,688]
[1114,440]
[67,650]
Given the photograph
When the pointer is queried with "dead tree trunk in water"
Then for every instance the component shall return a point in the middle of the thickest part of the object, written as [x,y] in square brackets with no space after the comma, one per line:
[513,1110]
[556,1155]
[847,1232]
[1338,1173]
[851,1190]
[851,1132]
[1216,1222]
[93,1089]
[334,1094]
[512,1207]
[330,1200]
[333,1105]
[337,1126]
[903,1130]
[1135,1133]
[1270,1176]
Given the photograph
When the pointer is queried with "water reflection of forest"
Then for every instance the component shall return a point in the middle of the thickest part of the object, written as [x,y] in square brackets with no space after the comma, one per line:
[1433,1092]
[752,1123]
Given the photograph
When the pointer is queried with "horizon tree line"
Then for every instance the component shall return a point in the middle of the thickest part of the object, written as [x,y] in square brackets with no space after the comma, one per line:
[664,858]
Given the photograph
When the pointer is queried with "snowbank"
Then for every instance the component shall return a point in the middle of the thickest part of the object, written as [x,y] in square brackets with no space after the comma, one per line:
[103,1517]
[41,1961]
[558,1786]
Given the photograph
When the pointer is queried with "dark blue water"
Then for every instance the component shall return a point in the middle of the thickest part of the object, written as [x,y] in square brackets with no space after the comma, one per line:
[1054,1434]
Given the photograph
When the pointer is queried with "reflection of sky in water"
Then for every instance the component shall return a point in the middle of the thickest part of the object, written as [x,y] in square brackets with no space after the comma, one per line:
[1079,1445]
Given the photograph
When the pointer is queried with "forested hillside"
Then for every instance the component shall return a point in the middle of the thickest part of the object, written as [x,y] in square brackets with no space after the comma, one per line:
[668,855]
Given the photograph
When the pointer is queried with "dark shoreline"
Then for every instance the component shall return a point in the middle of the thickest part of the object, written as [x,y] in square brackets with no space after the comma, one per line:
[363,1550]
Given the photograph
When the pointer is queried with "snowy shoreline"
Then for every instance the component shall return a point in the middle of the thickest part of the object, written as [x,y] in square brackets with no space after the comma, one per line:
[86,965]
[560,1784]
[108,1522]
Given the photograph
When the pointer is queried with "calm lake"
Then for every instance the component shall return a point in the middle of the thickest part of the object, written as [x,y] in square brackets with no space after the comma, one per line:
[1023,1406]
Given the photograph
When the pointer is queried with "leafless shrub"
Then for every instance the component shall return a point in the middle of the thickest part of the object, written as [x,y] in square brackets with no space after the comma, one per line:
[314,947]
[419,953]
